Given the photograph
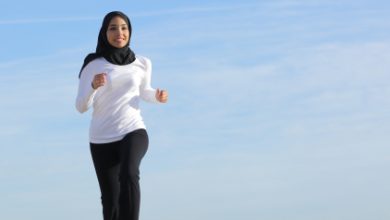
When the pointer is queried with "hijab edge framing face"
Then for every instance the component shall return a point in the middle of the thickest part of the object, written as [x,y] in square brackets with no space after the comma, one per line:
[114,55]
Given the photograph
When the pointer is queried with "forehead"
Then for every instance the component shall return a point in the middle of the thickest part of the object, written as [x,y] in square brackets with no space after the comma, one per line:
[117,20]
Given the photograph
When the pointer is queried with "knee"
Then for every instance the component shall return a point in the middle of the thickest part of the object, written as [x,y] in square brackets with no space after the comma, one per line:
[130,176]
[109,201]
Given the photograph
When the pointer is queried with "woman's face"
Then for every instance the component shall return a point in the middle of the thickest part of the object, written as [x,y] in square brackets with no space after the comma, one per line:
[118,32]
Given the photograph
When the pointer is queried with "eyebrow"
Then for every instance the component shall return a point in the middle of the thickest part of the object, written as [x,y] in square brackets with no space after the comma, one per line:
[114,25]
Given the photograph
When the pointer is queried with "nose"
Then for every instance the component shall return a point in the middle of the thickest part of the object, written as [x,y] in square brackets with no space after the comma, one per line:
[119,31]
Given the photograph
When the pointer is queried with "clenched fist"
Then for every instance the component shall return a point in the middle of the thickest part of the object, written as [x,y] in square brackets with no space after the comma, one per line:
[162,95]
[99,80]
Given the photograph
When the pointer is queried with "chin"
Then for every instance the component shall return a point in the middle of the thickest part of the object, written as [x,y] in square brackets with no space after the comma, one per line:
[119,45]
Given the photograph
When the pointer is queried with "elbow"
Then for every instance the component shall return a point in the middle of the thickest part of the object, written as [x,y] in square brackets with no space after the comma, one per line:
[81,111]
[81,108]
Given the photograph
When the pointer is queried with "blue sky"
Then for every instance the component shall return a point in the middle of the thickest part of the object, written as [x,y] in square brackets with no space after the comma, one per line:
[278,109]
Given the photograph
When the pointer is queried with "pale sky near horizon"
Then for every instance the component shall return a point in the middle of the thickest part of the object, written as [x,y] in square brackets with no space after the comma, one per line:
[278,109]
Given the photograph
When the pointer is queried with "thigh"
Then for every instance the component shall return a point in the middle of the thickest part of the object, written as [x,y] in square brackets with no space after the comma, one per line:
[133,148]
[106,161]
[105,156]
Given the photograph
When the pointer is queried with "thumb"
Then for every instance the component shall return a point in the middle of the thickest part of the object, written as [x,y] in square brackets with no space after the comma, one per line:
[158,93]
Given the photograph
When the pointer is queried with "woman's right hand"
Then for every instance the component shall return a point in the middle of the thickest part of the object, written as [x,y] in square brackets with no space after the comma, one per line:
[99,80]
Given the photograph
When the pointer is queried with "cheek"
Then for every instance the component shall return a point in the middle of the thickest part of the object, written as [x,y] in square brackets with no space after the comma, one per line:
[127,33]
[108,36]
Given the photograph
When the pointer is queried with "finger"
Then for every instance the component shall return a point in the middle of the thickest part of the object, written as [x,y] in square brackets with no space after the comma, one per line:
[104,76]
[164,94]
[100,76]
[100,79]
[158,93]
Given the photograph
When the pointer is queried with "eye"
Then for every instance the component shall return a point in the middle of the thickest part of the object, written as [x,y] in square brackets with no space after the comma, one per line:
[112,28]
[124,28]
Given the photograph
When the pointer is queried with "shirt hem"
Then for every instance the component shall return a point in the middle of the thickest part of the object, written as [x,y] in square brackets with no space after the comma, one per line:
[113,139]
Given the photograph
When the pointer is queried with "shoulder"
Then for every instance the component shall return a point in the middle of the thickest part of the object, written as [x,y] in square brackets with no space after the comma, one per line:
[144,60]
[97,62]
[93,66]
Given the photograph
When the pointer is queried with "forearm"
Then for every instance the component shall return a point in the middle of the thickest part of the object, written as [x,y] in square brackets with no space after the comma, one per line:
[85,98]
[149,95]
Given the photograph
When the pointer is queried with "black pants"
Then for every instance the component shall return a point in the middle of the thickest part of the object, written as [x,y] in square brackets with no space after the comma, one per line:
[117,169]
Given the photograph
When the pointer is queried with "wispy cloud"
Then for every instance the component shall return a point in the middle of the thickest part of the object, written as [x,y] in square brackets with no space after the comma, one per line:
[163,12]
[47,20]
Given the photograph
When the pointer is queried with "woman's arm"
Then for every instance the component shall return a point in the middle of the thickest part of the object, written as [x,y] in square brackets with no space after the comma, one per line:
[147,93]
[85,92]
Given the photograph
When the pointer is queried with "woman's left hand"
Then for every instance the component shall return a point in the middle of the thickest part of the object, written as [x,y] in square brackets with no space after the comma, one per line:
[162,95]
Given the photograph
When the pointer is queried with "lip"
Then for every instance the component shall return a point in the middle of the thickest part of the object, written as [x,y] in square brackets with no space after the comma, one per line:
[119,40]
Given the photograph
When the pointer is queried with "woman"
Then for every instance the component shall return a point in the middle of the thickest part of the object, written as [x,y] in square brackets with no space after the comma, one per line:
[113,80]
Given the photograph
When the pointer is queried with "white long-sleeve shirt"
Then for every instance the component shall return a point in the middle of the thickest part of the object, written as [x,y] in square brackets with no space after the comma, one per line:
[116,109]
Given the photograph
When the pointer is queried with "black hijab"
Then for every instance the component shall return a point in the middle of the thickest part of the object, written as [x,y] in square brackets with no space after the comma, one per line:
[118,56]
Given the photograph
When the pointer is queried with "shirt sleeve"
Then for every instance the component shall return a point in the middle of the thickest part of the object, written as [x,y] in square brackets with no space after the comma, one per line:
[86,93]
[147,93]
